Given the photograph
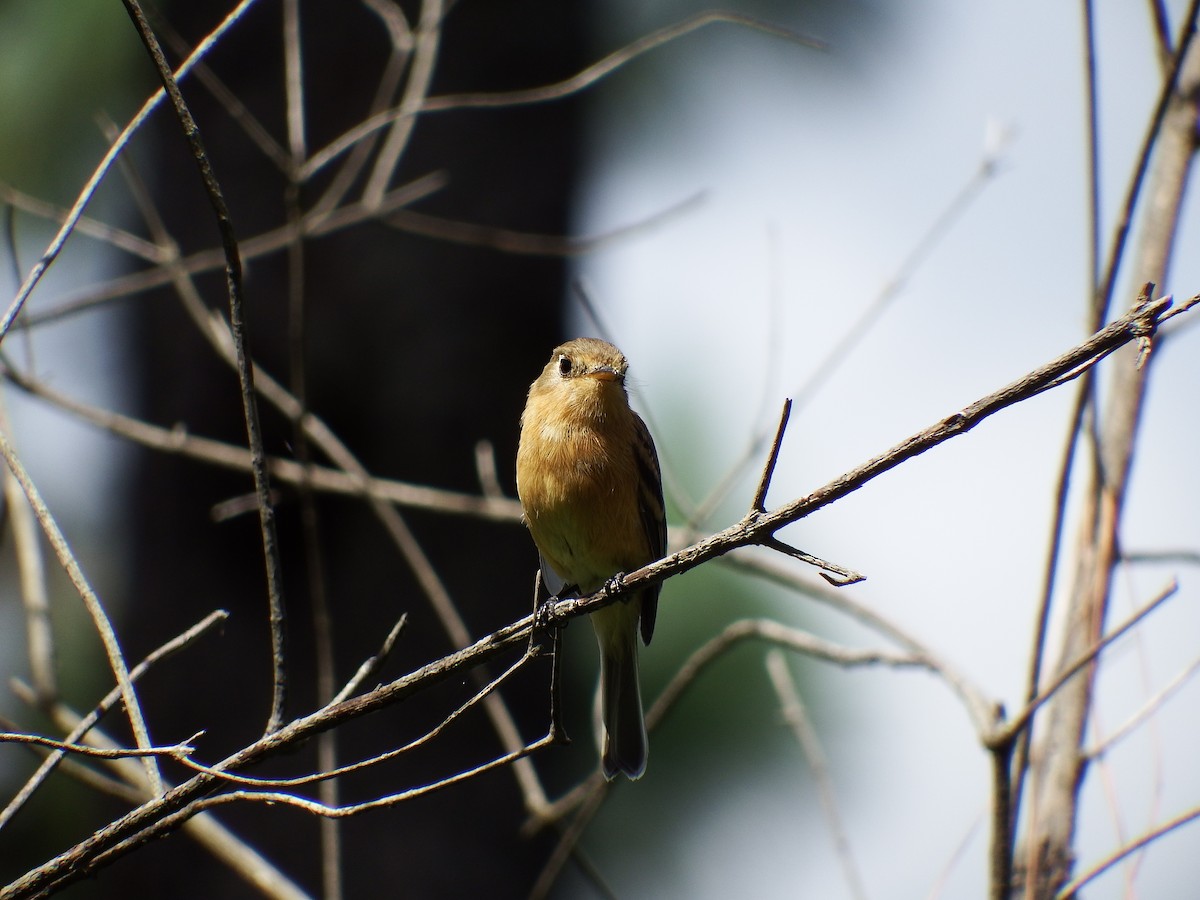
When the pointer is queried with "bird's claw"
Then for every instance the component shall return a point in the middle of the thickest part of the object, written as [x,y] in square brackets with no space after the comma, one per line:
[613,585]
[542,619]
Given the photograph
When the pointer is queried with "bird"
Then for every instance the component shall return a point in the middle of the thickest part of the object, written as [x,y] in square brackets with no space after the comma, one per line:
[590,487]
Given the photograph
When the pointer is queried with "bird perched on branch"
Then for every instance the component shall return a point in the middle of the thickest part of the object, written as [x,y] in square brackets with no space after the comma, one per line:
[591,490]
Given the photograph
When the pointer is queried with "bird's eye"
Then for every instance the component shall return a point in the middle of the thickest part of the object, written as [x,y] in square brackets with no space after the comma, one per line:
[564,365]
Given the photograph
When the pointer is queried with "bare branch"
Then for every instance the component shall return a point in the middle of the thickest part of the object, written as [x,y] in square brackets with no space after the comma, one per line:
[1149,708]
[176,751]
[1072,888]
[245,368]
[178,441]
[578,82]
[91,601]
[764,483]
[794,713]
[39,633]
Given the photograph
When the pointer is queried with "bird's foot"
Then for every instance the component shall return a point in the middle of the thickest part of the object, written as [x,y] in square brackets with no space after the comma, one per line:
[614,586]
[542,619]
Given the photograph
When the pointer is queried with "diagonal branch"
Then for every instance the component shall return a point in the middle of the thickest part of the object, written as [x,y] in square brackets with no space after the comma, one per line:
[757,527]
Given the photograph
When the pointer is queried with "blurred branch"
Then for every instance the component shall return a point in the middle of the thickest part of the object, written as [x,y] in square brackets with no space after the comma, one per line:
[31,568]
[335,481]
[1072,888]
[794,713]
[91,601]
[170,264]
[585,800]
[426,41]
[1149,708]
[573,85]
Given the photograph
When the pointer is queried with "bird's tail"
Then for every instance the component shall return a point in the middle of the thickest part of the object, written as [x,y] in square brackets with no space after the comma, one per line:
[624,745]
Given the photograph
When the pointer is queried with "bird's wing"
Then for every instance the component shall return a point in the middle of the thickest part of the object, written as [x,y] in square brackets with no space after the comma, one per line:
[652,511]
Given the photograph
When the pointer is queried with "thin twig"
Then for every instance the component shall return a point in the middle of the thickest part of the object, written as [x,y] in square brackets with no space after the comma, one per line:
[1072,888]
[758,504]
[1092,167]
[371,666]
[245,368]
[176,751]
[1149,708]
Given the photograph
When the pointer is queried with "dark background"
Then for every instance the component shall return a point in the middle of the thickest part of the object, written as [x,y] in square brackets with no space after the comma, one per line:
[417,350]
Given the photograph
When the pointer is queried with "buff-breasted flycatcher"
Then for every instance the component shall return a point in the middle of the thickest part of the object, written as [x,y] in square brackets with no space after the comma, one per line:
[591,489]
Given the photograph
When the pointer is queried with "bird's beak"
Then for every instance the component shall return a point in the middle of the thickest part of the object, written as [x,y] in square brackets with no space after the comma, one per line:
[605,373]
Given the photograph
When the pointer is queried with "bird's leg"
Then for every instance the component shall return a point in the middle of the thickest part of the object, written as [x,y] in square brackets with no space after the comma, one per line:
[539,618]
[557,730]
[541,609]
[540,629]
